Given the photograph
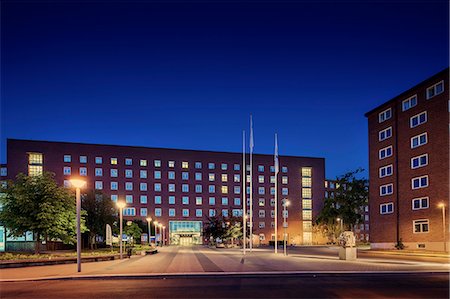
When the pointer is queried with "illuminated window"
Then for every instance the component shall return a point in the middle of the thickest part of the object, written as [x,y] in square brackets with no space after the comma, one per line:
[261,202]
[143,162]
[157,187]
[272,190]
[171,212]
[198,213]
[172,187]
[129,186]
[129,212]
[67,158]
[248,178]
[157,163]
[211,177]
[98,160]
[212,212]
[224,166]
[35,161]
[113,161]
[237,201]
[98,185]
[185,200]
[224,189]
[237,190]
[143,186]
[306,171]
[225,213]
[224,201]
[83,159]
[198,201]
[307,215]
[113,173]
[128,161]
[67,170]
[198,176]
[224,177]
[143,211]
[307,226]
[285,191]
[185,212]
[272,179]
[212,201]
[171,164]
[237,178]
[143,198]
[306,182]
[98,172]
[83,171]
[307,204]
[306,193]
[129,198]
[261,179]
[158,200]
[184,165]
[284,180]
[158,212]
[171,200]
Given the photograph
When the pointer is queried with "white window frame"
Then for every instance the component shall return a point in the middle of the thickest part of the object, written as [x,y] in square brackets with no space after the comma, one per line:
[418,121]
[385,150]
[387,204]
[419,159]
[382,115]
[386,185]
[434,89]
[419,178]
[420,201]
[418,137]
[390,166]
[409,100]
[384,131]
[422,221]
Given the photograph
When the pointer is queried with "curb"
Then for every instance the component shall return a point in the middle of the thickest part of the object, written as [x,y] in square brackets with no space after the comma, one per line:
[57,261]
[224,274]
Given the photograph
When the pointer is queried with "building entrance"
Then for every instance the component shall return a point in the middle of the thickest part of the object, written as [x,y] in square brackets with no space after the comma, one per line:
[185,233]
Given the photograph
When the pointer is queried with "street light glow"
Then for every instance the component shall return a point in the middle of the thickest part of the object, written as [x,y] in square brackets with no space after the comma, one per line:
[441,205]
[77,183]
[148,219]
[121,204]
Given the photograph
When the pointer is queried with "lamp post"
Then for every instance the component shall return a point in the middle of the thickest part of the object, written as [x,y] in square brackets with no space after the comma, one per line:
[156,232]
[285,205]
[342,224]
[164,235]
[442,206]
[78,184]
[121,205]
[160,234]
[149,220]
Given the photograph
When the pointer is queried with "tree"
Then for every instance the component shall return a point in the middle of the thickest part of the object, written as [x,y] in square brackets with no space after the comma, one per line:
[351,195]
[233,228]
[100,211]
[132,229]
[38,204]
[215,228]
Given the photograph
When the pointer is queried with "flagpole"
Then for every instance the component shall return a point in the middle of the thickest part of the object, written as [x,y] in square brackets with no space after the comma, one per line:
[251,183]
[244,212]
[276,193]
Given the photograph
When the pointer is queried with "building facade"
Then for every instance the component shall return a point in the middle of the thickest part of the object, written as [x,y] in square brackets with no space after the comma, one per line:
[182,188]
[409,167]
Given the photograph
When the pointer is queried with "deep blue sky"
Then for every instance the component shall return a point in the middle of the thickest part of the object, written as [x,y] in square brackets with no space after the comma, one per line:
[188,75]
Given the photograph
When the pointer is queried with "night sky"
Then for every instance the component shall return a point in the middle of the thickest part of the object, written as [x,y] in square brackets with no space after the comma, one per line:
[188,75]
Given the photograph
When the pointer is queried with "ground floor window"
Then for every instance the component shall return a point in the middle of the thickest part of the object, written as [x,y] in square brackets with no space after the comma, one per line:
[421,226]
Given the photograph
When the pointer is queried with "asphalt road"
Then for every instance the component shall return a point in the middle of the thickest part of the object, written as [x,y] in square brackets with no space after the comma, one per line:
[359,285]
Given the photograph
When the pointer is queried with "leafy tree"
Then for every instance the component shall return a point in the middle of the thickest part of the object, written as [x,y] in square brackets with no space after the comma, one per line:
[351,195]
[233,228]
[100,211]
[132,229]
[38,204]
[215,228]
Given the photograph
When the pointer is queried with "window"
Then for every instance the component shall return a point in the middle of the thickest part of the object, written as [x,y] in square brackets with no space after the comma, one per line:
[35,162]
[83,171]
[306,182]
[212,201]
[143,174]
[421,226]
[98,172]
[306,193]
[284,169]
[385,171]
[98,185]
[386,189]
[237,201]
[67,158]
[419,140]
[143,211]
[419,161]
[114,197]
[171,212]
[224,189]
[272,179]
[262,225]
[158,212]
[224,201]
[129,212]
[248,178]
[129,186]
[129,198]
[434,90]
[224,166]
[237,167]
[114,186]
[284,179]
[158,199]
[212,212]
[128,173]
[198,201]
[306,172]
[261,190]
[128,161]
[420,182]
[198,213]
[225,213]
[98,160]
[171,200]
[261,202]
[236,212]
[198,188]
[285,191]
[185,165]
[143,162]
[185,212]
[157,187]
[272,168]
[307,215]
[143,186]
[385,152]
[198,165]
[384,115]
[171,164]
[211,177]
[198,176]
[261,179]
[387,208]
[185,176]
[185,188]
[237,190]
[409,103]
[211,166]
[171,175]
[418,119]
[157,163]
[260,168]
[185,200]
[285,213]
[67,170]
[385,134]
[113,161]
[113,173]
[212,189]
[237,178]
[262,214]
[307,204]
[224,178]
[83,159]
[420,203]
[143,198]
[171,187]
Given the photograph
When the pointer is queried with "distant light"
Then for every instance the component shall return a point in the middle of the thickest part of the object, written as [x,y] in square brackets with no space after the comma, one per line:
[77,183]
[148,219]
[121,204]
[441,205]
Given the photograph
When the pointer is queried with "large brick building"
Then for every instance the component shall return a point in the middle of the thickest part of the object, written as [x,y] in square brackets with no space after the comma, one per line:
[180,188]
[409,167]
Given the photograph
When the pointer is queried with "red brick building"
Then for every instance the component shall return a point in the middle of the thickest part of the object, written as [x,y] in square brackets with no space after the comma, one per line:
[180,188]
[409,167]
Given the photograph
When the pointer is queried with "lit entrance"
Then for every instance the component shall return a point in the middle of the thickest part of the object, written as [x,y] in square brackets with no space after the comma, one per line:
[185,233]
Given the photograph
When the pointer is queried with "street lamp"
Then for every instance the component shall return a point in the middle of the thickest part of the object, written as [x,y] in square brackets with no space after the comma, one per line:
[160,233]
[164,235]
[78,184]
[442,206]
[342,223]
[121,205]
[149,220]
[156,232]
[285,205]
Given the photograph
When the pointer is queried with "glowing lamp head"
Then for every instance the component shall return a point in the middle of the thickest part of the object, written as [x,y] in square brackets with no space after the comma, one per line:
[338,219]
[77,183]
[164,227]
[160,225]
[156,222]
[441,205]
[121,204]
[148,219]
